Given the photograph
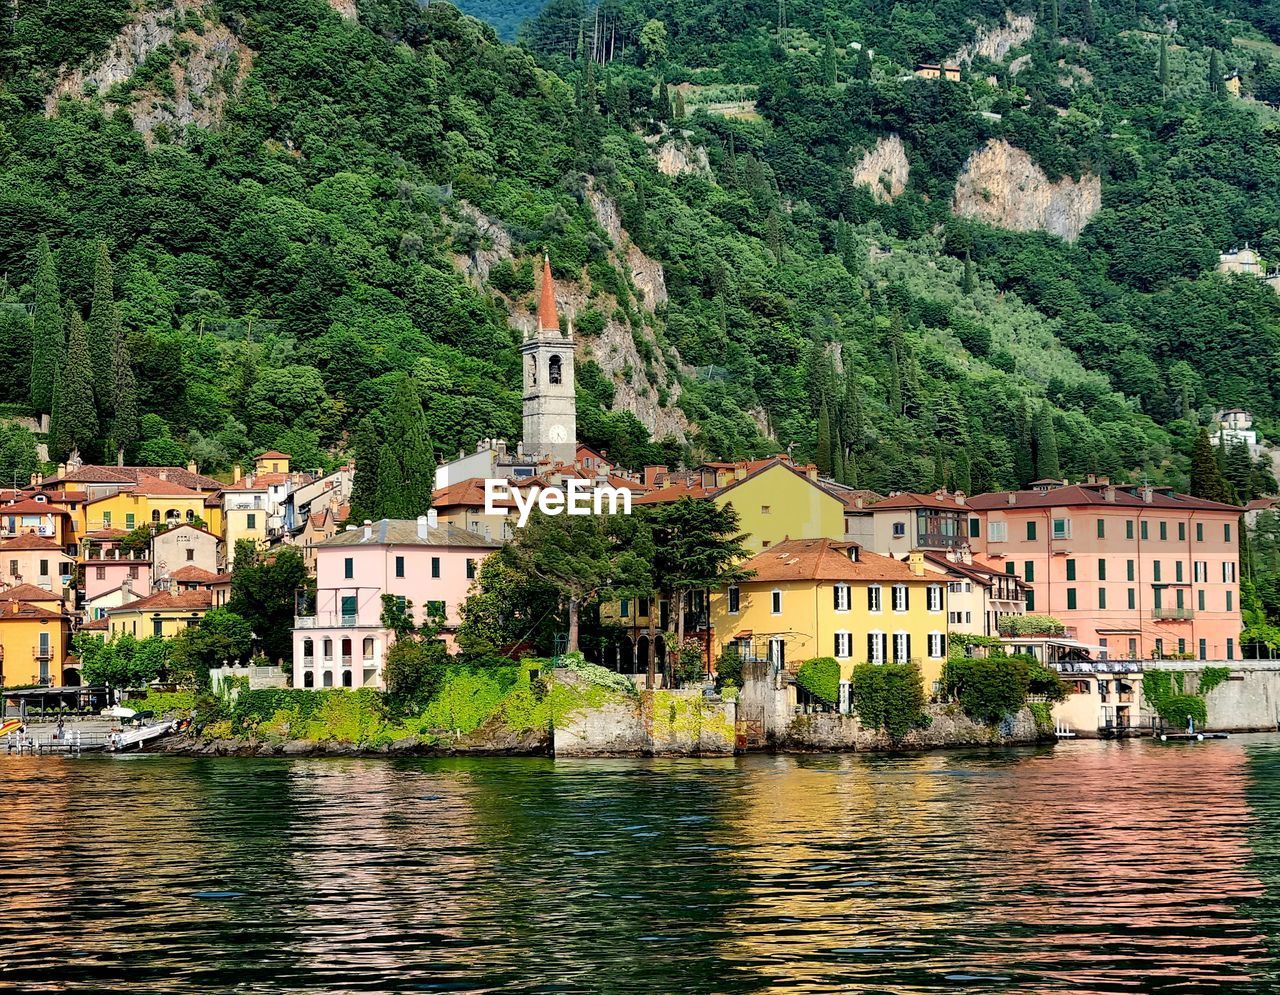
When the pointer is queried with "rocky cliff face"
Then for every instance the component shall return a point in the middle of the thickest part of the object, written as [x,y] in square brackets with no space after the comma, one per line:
[995,43]
[676,156]
[200,61]
[884,169]
[1000,185]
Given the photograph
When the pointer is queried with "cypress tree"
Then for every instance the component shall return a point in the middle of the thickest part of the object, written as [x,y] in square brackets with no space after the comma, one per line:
[124,422]
[731,164]
[1046,442]
[78,422]
[104,326]
[1215,73]
[1053,18]
[1023,452]
[1089,29]
[664,102]
[852,425]
[862,65]
[969,281]
[829,60]
[963,476]
[406,463]
[46,330]
[939,479]
[1207,480]
[677,108]
[1164,65]
[366,444]
[823,458]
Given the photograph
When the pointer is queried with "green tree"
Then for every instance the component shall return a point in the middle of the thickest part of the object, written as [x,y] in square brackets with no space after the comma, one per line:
[653,42]
[507,607]
[265,592]
[1207,480]
[1215,73]
[1163,71]
[77,417]
[1045,440]
[406,463]
[221,637]
[829,67]
[823,455]
[102,331]
[47,340]
[124,420]
[677,106]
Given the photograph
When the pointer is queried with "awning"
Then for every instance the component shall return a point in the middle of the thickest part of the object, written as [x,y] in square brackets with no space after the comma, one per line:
[744,634]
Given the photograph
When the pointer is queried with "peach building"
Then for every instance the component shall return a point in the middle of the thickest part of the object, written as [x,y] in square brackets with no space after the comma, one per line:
[1135,572]
[342,642]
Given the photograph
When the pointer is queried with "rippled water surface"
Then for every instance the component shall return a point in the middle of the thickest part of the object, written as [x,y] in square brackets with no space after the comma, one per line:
[1090,867]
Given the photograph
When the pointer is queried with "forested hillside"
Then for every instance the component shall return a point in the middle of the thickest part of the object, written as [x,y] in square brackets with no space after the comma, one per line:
[775,235]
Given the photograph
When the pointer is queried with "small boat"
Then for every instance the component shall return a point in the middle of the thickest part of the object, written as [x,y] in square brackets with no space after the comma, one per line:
[118,712]
[10,725]
[131,739]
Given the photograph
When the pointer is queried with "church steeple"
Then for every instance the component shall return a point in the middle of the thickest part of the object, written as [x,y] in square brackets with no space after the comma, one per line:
[550,409]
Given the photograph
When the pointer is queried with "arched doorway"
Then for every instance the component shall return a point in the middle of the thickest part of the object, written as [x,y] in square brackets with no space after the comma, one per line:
[642,655]
[346,678]
[70,678]
[308,680]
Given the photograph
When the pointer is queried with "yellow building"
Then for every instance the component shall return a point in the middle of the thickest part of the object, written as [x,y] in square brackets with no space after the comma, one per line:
[165,613]
[823,597]
[151,501]
[34,635]
[245,510]
[775,500]
[272,461]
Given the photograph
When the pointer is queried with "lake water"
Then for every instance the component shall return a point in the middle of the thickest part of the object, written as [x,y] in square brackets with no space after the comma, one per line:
[1089,867]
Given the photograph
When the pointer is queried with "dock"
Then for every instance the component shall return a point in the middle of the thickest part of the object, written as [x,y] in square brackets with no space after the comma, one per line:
[1193,737]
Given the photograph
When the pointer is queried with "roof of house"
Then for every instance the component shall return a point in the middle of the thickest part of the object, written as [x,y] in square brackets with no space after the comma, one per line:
[1262,504]
[1079,495]
[29,541]
[824,559]
[30,506]
[976,572]
[97,625]
[404,532]
[938,499]
[273,454]
[160,487]
[683,488]
[107,534]
[89,474]
[161,601]
[187,525]
[193,575]
[28,592]
[10,610]
[467,493]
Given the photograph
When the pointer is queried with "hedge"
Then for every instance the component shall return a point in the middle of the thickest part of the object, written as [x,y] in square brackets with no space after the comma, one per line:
[889,696]
[821,678]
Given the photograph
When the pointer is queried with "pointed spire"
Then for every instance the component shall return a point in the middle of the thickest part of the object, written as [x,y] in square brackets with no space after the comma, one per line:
[548,317]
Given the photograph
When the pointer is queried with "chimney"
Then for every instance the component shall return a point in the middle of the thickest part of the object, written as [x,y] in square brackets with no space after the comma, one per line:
[422,526]
[368,530]
[1147,493]
[959,497]
[235,473]
[1013,497]
[1109,494]
[811,472]
[164,474]
[351,528]
[915,562]
[858,502]
[191,466]
[35,479]
[501,446]
[739,472]
[173,586]
[433,519]
[62,469]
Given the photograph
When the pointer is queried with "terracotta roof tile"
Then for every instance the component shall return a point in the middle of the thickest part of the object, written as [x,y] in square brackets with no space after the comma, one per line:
[25,610]
[164,601]
[824,559]
[273,454]
[28,592]
[938,499]
[28,541]
[193,575]
[1077,495]
[30,506]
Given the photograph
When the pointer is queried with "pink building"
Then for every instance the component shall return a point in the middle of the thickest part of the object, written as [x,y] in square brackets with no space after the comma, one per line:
[110,569]
[1138,572]
[342,643]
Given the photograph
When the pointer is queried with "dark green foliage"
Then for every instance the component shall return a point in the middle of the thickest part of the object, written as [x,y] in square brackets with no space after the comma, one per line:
[266,592]
[75,415]
[221,637]
[395,464]
[47,341]
[821,678]
[124,662]
[889,697]
[1207,480]
[102,330]
[989,688]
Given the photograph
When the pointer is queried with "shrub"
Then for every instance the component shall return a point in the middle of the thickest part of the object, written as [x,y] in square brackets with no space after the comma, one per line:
[889,696]
[1179,709]
[1045,682]
[821,678]
[1030,625]
[989,688]
[729,668]
[1211,677]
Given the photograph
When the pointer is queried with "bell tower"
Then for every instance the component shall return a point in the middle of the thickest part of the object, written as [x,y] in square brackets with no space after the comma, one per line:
[550,409]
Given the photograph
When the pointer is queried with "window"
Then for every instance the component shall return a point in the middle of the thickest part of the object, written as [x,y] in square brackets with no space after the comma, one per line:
[348,608]
[1182,532]
[624,608]
[1164,531]
[1102,570]
[975,528]
[1177,571]
[1229,601]
[1071,569]
[1199,571]
[129,521]
[1199,531]
[1133,598]
[1029,571]
[875,647]
[1062,528]
[133,573]
[1071,599]
[1204,650]
[1031,600]
[735,600]
[1155,570]
[955,618]
[1128,569]
[1159,654]
[1231,649]
[875,601]
[1200,600]
[937,645]
[933,598]
[1128,528]
[191,555]
[435,609]
[777,602]
[554,374]
[155,517]
[399,566]
[44,568]
[1031,531]
[106,519]
[998,532]
[901,598]
[901,647]
[844,645]
[251,520]
[1102,599]
[899,529]
[1228,573]
[1102,528]
[766,509]
[841,597]
[348,568]
[1226,534]
[435,566]
[1143,531]
[99,573]
[157,627]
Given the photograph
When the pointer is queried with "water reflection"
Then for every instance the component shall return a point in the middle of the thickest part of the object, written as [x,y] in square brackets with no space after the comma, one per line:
[1088,868]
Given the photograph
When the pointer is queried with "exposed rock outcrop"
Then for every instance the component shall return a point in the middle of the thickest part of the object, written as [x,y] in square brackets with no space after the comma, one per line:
[495,246]
[884,169]
[677,156]
[206,64]
[347,8]
[1002,186]
[995,43]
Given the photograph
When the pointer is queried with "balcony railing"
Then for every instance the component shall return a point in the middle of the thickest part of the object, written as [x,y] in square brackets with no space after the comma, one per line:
[330,620]
[938,540]
[1175,613]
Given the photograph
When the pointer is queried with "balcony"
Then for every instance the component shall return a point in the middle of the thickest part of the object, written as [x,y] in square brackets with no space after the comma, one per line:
[1174,614]
[938,540]
[331,620]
